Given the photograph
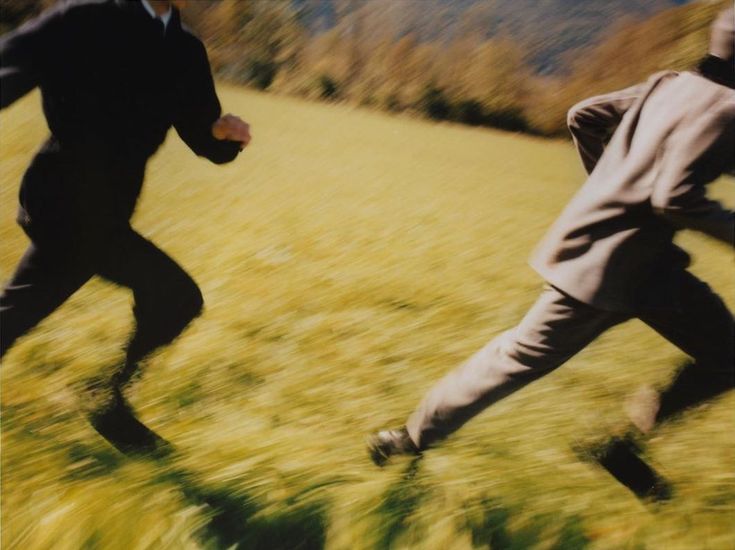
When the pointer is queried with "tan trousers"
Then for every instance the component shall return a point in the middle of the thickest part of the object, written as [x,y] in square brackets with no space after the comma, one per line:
[556,328]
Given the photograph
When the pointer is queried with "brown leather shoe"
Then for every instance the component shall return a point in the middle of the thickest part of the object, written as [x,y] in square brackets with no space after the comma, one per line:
[386,443]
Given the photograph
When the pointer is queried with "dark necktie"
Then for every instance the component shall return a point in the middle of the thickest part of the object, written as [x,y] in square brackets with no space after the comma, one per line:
[160,26]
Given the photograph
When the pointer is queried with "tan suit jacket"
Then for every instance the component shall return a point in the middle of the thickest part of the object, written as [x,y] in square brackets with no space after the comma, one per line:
[612,245]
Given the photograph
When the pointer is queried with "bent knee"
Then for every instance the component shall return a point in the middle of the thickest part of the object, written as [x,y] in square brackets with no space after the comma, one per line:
[193,302]
[178,304]
[187,304]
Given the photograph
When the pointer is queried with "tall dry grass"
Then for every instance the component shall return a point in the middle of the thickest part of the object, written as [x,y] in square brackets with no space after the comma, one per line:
[347,259]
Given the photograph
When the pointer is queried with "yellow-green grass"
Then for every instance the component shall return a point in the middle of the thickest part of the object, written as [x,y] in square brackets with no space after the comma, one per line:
[348,259]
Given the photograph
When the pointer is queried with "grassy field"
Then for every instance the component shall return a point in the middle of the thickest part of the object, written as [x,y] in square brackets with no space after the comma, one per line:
[348,259]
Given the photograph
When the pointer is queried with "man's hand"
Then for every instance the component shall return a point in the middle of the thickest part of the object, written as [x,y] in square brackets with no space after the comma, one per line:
[232,128]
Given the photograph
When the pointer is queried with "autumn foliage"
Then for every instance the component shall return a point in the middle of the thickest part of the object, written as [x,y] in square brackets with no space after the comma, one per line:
[460,60]
[371,56]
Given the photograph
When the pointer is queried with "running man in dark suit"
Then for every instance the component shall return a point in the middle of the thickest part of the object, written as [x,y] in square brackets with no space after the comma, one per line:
[115,76]
[650,151]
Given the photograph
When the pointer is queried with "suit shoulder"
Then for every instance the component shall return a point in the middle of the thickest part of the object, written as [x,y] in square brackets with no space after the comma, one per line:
[81,11]
[662,76]
[69,15]
[187,30]
[190,36]
[82,6]
[191,41]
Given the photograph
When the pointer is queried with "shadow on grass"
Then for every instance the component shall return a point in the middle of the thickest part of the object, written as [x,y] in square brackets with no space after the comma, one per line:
[87,462]
[234,520]
[493,531]
[237,521]
[398,504]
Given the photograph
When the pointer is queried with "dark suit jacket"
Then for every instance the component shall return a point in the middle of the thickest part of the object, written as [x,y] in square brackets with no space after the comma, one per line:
[112,85]
[612,245]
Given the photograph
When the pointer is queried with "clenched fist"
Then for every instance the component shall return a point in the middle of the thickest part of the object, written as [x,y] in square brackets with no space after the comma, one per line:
[232,128]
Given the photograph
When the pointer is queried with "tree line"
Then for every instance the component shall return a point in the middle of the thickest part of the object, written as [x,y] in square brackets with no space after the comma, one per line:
[374,54]
[366,60]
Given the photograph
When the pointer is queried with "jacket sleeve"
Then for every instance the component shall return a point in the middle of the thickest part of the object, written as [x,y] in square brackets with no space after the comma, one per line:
[704,152]
[23,54]
[592,122]
[198,109]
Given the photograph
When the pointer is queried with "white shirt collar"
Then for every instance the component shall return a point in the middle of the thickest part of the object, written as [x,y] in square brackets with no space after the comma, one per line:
[165,18]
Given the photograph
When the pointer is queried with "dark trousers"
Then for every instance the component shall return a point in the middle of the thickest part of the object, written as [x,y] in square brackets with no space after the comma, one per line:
[51,270]
[556,328]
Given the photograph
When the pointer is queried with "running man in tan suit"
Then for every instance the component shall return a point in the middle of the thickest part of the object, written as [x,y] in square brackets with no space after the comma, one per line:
[650,150]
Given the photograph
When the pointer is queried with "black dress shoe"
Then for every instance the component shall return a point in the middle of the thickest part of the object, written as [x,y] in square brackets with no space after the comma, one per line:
[384,444]
[621,458]
[116,422]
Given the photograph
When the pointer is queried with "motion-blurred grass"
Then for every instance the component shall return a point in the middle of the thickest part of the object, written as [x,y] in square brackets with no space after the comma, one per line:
[347,259]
